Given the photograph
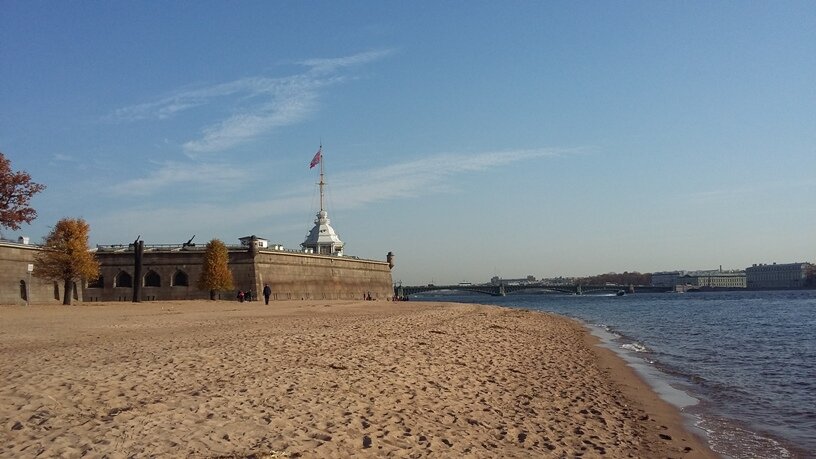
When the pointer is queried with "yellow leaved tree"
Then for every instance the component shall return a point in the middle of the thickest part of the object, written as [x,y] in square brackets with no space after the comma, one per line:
[215,272]
[65,256]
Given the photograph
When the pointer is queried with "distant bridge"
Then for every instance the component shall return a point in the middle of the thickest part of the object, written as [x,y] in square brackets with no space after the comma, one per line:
[402,291]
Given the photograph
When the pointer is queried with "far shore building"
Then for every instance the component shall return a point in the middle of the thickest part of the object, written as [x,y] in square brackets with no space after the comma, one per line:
[667,279]
[777,276]
[496,280]
[714,279]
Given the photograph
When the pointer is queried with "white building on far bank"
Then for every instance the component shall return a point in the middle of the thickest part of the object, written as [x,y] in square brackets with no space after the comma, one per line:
[714,278]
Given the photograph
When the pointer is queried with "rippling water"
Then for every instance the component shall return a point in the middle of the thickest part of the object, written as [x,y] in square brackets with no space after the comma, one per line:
[749,357]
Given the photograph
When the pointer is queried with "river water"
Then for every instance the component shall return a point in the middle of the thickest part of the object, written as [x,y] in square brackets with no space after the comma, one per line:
[745,360]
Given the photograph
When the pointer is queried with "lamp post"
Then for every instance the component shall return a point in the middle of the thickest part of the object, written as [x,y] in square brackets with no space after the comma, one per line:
[28,284]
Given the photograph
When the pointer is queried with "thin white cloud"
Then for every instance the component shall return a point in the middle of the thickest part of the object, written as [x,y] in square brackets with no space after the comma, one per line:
[424,176]
[743,194]
[173,222]
[408,179]
[286,110]
[251,106]
[719,196]
[189,98]
[63,157]
[169,174]
[328,65]
[61,160]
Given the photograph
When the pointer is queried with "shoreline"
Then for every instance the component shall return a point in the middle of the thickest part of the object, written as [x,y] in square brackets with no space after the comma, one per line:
[323,379]
[666,415]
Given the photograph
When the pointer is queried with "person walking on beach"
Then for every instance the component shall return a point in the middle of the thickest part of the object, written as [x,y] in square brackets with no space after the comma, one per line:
[266,292]
[241,296]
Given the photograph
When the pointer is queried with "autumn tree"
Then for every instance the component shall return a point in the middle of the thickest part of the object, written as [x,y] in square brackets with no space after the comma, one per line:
[65,256]
[215,272]
[16,190]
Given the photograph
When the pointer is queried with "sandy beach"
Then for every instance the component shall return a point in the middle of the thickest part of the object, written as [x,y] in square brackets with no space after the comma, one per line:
[320,379]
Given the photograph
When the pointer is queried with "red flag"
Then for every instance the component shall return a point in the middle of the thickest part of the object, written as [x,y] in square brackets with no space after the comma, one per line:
[317,157]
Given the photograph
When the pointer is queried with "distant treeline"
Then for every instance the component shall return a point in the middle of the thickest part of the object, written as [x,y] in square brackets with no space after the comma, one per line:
[625,278]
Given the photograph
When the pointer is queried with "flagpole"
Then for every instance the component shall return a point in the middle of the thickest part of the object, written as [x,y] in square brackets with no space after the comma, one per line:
[321,176]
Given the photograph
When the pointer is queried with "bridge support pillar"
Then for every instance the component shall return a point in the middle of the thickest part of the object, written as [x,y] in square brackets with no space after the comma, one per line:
[502,292]
[578,290]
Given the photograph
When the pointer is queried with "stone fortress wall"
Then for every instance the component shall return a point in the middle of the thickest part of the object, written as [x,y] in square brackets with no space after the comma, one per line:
[15,280]
[166,275]
[291,275]
[172,274]
[302,276]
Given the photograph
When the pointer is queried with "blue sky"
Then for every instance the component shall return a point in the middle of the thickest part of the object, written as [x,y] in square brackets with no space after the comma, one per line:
[472,139]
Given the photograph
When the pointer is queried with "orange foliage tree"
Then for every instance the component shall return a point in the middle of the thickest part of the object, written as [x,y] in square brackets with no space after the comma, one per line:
[215,273]
[65,256]
[16,190]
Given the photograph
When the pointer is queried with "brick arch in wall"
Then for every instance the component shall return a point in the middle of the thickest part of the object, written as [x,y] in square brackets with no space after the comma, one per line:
[180,279]
[152,279]
[99,282]
[123,279]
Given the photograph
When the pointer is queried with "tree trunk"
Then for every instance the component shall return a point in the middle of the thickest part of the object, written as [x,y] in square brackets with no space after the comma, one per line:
[69,290]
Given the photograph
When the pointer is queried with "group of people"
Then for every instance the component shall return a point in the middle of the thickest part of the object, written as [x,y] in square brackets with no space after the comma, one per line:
[250,296]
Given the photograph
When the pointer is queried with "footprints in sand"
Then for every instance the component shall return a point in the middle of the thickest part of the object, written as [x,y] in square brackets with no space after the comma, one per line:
[418,380]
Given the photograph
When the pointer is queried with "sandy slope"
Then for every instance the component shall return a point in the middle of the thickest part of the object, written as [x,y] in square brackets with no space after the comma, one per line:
[319,379]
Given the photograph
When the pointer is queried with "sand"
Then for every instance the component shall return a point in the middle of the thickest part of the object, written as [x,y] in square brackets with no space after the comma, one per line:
[320,379]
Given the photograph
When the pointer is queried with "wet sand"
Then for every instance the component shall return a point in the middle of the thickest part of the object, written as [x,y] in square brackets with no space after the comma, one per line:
[320,379]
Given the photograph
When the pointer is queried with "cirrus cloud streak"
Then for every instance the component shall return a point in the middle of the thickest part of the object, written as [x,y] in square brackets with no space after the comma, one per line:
[249,107]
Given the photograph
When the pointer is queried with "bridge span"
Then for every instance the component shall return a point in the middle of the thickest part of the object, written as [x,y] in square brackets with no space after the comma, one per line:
[402,291]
